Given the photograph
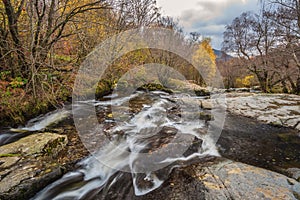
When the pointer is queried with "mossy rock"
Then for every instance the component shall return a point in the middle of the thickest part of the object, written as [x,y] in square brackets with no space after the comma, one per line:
[201,92]
[31,156]
[206,116]
[40,143]
[103,88]
[9,155]
[100,89]
[155,87]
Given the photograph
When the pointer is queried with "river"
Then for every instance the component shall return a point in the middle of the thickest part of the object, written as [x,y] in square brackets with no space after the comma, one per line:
[143,137]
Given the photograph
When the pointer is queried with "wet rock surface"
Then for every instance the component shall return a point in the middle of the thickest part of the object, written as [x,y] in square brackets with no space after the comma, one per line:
[217,178]
[249,141]
[243,140]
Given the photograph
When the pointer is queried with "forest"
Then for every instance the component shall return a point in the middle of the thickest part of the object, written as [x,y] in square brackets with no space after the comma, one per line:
[43,43]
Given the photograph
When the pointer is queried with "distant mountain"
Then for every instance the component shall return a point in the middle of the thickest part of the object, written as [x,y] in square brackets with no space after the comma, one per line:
[221,55]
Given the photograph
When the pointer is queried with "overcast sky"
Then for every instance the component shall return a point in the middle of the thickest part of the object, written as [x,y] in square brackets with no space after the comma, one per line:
[207,17]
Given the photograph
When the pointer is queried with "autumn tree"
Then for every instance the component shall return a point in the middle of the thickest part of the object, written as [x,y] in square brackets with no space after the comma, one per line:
[128,15]
[167,58]
[205,57]
[31,29]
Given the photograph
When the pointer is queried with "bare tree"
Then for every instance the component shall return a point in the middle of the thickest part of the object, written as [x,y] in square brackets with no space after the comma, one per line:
[195,37]
[286,17]
[252,37]
[134,13]
[11,15]
[286,10]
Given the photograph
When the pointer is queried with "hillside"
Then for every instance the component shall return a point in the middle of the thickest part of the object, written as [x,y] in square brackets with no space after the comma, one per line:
[221,55]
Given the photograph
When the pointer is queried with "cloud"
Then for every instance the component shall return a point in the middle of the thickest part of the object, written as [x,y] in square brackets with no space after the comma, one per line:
[209,17]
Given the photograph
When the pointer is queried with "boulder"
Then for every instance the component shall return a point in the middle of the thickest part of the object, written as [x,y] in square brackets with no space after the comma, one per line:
[226,179]
[28,164]
[207,104]
[35,144]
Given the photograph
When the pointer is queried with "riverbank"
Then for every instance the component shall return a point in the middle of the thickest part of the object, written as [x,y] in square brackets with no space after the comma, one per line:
[21,101]
[275,109]
[18,104]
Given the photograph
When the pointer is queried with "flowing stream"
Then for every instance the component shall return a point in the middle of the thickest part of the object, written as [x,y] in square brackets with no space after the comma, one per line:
[149,135]
[141,138]
[37,124]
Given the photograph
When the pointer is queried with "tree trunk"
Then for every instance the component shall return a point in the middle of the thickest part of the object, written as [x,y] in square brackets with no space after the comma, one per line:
[284,87]
[263,83]
[12,17]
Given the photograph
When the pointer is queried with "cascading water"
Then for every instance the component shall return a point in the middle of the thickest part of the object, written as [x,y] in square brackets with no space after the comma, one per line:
[40,123]
[164,132]
[36,124]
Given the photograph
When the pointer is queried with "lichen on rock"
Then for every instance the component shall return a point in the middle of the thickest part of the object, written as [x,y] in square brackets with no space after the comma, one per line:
[23,165]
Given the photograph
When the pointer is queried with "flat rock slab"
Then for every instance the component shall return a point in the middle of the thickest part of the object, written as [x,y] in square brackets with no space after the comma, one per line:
[27,163]
[234,180]
[34,144]
[275,109]
[189,87]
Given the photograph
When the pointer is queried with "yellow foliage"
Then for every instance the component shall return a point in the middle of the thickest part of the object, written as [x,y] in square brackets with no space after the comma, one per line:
[207,47]
[204,59]
[89,28]
[245,82]
[248,80]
